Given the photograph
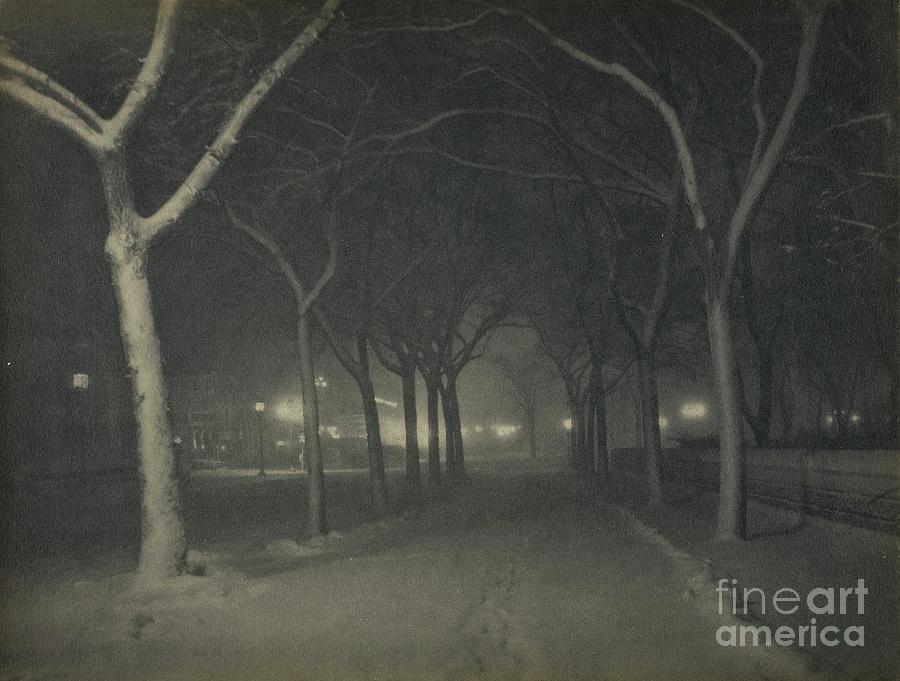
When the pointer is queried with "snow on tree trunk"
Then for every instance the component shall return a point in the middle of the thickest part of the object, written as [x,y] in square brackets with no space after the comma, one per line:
[732,514]
[317,521]
[434,436]
[163,541]
[650,426]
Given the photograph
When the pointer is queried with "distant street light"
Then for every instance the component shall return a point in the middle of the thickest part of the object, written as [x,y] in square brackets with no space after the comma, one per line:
[260,410]
[694,411]
[567,425]
[504,430]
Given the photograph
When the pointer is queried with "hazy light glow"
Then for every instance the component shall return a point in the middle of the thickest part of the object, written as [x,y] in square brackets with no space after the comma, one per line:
[663,422]
[386,403]
[504,430]
[331,430]
[693,411]
[855,418]
[260,407]
[479,429]
[81,381]
[567,424]
[321,382]
[290,411]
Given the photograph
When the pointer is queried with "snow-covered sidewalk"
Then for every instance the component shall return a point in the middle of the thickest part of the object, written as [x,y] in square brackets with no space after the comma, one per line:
[787,549]
[516,576]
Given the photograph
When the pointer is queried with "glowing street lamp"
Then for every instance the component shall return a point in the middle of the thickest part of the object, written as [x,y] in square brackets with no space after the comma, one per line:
[567,425]
[503,430]
[260,408]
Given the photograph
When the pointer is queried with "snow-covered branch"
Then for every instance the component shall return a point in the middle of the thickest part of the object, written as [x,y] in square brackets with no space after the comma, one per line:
[758,66]
[150,75]
[43,83]
[53,111]
[645,90]
[758,180]
[205,169]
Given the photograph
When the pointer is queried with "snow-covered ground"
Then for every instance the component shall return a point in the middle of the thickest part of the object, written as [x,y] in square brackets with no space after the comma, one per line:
[522,574]
[793,550]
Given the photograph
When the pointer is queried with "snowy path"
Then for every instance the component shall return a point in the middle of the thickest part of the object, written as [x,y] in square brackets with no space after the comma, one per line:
[518,577]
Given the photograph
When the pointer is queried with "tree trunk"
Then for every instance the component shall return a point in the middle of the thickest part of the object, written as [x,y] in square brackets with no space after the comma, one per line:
[579,441]
[163,543]
[458,451]
[599,400]
[317,521]
[590,440]
[449,434]
[531,424]
[764,419]
[411,425]
[894,406]
[434,435]
[650,425]
[574,458]
[732,514]
[761,424]
[373,428]
[638,421]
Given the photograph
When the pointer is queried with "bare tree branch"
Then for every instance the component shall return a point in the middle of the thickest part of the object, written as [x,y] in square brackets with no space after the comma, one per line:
[758,65]
[150,75]
[757,181]
[186,195]
[43,83]
[54,112]
[646,91]
[267,241]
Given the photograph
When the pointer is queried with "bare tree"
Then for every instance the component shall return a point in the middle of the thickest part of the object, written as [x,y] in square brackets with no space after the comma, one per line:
[403,364]
[132,234]
[304,298]
[721,248]
[528,383]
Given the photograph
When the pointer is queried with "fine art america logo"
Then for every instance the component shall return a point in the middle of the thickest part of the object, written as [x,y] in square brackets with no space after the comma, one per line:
[785,601]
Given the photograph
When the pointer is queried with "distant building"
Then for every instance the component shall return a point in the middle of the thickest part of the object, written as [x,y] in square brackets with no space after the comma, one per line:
[213,419]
